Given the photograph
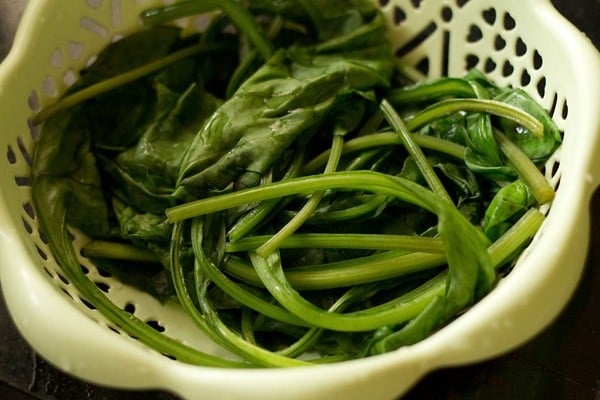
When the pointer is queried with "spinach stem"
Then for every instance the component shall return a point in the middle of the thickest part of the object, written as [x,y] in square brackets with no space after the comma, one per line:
[248,25]
[494,107]
[438,89]
[246,326]
[357,271]
[51,214]
[216,327]
[249,350]
[180,285]
[372,124]
[161,15]
[252,61]
[309,207]
[517,235]
[238,14]
[529,172]
[117,250]
[310,338]
[398,310]
[344,241]
[388,139]
[253,218]
[238,292]
[415,151]
[123,79]
[273,277]
[351,180]
[370,205]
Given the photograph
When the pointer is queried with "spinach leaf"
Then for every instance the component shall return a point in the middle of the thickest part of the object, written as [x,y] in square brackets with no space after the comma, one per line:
[65,162]
[286,100]
[137,226]
[120,116]
[537,148]
[146,174]
[507,206]
[188,132]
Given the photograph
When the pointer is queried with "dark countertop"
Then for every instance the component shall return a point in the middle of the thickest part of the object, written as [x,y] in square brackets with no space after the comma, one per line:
[563,362]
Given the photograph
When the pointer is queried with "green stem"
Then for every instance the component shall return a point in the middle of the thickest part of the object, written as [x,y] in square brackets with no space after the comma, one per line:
[181,289]
[372,124]
[123,79]
[387,139]
[205,318]
[251,62]
[52,219]
[369,206]
[309,207]
[312,336]
[239,15]
[117,250]
[401,309]
[241,73]
[351,180]
[255,217]
[415,151]
[421,92]
[247,24]
[249,350]
[518,234]
[494,107]
[247,326]
[529,172]
[273,277]
[161,15]
[357,271]
[344,241]
[236,291]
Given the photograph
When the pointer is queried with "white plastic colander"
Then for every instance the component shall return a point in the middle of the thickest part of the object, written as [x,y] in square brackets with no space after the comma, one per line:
[519,43]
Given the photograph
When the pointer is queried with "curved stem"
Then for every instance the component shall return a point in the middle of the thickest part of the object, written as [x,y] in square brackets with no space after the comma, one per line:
[529,172]
[251,220]
[207,319]
[415,151]
[122,79]
[236,291]
[271,274]
[388,139]
[448,87]
[494,107]
[309,207]
[351,180]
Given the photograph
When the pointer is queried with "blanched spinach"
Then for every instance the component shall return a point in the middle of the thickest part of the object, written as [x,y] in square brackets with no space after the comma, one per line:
[284,102]
[405,204]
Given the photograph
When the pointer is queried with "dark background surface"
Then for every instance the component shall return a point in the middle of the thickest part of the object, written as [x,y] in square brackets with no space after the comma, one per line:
[563,362]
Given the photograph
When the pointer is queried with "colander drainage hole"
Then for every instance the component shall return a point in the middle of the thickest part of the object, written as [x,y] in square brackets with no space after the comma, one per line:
[489,16]
[102,286]
[155,325]
[130,308]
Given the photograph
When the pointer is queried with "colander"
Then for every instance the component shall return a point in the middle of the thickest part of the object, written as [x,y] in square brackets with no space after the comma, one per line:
[519,43]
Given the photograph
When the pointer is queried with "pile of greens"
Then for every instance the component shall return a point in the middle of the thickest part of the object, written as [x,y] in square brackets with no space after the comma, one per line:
[283,177]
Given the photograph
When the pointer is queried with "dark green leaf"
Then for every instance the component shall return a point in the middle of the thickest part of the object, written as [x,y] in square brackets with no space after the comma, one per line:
[537,148]
[510,203]
[64,158]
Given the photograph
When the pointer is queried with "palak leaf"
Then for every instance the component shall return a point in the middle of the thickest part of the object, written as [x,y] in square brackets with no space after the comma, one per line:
[510,203]
[285,101]
[64,158]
